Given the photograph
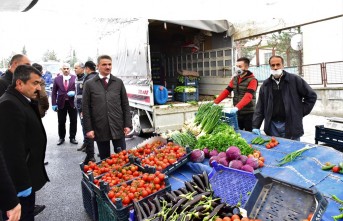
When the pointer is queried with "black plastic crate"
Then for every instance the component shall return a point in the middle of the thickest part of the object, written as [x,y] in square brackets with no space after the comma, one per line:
[184,97]
[89,200]
[180,162]
[333,138]
[119,212]
[275,200]
[86,175]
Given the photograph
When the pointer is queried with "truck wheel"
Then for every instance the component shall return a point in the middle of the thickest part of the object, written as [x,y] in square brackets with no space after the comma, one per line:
[136,124]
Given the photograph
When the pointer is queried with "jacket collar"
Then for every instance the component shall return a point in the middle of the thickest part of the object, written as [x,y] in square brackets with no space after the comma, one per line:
[110,77]
[11,90]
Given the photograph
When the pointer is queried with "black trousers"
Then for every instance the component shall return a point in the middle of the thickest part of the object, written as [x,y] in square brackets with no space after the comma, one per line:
[27,208]
[89,142]
[105,149]
[245,122]
[62,118]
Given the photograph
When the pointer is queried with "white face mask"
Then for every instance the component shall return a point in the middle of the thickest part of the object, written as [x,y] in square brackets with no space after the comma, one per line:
[276,73]
[238,71]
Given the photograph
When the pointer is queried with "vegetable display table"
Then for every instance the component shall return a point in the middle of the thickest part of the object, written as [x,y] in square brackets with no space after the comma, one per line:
[304,171]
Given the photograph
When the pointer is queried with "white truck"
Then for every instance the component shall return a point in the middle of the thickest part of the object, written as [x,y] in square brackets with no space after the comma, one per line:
[153,52]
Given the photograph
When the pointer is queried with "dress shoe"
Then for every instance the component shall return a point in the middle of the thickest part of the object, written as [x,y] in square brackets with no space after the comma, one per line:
[73,141]
[82,148]
[38,209]
[60,141]
[88,158]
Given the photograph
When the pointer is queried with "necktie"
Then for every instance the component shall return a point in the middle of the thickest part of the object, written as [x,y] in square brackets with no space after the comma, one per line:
[105,82]
[66,85]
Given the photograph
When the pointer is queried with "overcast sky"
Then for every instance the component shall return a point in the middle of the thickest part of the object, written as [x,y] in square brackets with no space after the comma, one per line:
[63,25]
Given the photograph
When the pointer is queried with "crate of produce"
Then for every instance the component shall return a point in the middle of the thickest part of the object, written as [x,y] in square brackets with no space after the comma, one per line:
[115,207]
[333,138]
[179,163]
[115,161]
[184,97]
[231,119]
[89,200]
[190,82]
[274,200]
[231,185]
[166,158]
[115,177]
[147,147]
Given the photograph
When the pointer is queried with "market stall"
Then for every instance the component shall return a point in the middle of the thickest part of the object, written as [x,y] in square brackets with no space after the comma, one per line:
[292,180]
[305,171]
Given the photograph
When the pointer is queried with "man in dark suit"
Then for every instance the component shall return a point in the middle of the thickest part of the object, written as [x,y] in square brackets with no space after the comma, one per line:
[23,138]
[106,110]
[62,99]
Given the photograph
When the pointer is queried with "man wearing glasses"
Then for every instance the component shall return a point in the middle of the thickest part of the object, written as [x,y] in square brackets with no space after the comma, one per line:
[62,99]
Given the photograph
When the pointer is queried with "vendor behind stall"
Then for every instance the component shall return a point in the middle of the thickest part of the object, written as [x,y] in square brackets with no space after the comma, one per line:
[284,99]
[244,86]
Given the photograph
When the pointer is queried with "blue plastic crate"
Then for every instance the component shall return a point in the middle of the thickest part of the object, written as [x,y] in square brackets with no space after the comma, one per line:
[191,82]
[231,185]
[231,119]
[89,201]
[184,97]
[274,200]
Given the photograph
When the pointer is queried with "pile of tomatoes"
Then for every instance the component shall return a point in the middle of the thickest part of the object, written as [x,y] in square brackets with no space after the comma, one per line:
[162,158]
[145,150]
[272,143]
[121,175]
[138,189]
[236,218]
[114,162]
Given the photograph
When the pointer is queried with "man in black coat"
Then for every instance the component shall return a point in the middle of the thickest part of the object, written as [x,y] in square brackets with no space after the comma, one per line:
[6,78]
[284,99]
[9,202]
[23,138]
[88,144]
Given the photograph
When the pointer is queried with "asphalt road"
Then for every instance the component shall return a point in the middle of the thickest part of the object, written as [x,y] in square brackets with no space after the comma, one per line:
[62,195]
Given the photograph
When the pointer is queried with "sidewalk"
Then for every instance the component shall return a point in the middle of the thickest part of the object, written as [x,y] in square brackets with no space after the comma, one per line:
[310,123]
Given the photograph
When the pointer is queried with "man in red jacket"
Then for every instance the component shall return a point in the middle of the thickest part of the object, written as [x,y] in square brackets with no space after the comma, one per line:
[243,85]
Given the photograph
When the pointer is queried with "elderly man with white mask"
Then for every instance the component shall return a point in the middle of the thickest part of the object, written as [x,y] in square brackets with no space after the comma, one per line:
[284,99]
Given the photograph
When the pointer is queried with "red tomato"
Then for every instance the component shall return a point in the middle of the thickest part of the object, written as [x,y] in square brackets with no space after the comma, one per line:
[110,194]
[157,180]
[126,200]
